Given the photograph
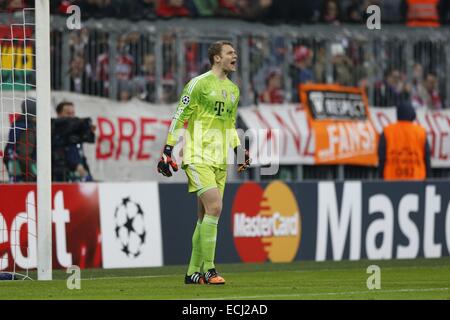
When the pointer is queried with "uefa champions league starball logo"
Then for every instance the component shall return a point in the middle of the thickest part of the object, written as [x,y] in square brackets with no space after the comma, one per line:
[185,100]
[130,227]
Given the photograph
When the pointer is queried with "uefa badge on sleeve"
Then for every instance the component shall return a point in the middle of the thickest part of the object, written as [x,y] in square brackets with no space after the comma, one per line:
[185,100]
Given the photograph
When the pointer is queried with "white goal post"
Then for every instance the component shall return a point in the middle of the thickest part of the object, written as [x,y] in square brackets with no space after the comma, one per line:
[43,130]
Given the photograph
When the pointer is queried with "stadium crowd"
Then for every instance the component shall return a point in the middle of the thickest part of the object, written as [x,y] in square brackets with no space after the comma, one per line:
[134,68]
[325,11]
[291,11]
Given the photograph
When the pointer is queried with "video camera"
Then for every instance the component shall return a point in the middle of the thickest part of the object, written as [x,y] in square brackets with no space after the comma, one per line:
[69,134]
[66,131]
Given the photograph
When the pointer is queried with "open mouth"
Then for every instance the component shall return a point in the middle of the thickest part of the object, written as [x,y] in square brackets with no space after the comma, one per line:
[233,63]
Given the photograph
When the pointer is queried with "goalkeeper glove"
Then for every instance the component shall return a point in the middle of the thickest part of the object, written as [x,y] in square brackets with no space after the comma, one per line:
[242,154]
[166,162]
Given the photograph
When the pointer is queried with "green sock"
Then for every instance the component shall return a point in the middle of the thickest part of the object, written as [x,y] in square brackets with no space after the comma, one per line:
[208,237]
[196,255]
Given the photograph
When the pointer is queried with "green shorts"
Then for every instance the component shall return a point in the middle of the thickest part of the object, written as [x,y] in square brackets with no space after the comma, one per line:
[204,177]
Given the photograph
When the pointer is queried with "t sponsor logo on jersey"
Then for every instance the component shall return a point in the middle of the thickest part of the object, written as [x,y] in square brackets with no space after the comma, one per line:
[266,223]
[130,223]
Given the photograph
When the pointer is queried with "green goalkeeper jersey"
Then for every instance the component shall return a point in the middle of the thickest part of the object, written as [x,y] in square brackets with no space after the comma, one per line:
[210,107]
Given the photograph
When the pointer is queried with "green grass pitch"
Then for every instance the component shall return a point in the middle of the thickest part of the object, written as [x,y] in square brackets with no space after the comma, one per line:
[400,279]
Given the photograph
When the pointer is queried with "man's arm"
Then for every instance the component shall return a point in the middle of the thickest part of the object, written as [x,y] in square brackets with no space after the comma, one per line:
[186,106]
[242,155]
[235,142]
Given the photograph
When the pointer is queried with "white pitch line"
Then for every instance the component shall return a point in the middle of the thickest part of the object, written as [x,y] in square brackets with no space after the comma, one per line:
[306,270]
[382,268]
[130,277]
[326,294]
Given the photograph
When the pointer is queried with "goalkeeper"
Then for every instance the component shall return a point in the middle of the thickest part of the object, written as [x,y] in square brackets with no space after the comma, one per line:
[209,103]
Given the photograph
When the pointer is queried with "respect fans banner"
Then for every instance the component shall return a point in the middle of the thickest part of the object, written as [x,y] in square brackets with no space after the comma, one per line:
[340,119]
[130,137]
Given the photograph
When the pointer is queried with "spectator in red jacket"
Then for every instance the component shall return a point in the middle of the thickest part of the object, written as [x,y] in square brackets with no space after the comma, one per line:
[172,8]
[273,93]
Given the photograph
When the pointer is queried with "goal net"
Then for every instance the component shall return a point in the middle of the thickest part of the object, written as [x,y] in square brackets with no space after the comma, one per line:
[21,165]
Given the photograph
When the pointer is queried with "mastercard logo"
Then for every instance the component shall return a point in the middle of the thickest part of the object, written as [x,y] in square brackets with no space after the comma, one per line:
[266,223]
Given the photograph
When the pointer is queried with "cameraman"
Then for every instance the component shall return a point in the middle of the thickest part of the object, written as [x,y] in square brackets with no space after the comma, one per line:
[69,133]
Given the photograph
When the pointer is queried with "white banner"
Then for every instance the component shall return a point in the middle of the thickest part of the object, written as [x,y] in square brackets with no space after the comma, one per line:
[287,134]
[131,225]
[381,117]
[130,137]
[437,124]
[297,144]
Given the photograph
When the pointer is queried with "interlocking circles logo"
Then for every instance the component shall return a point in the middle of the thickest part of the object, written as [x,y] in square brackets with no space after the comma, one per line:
[266,223]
